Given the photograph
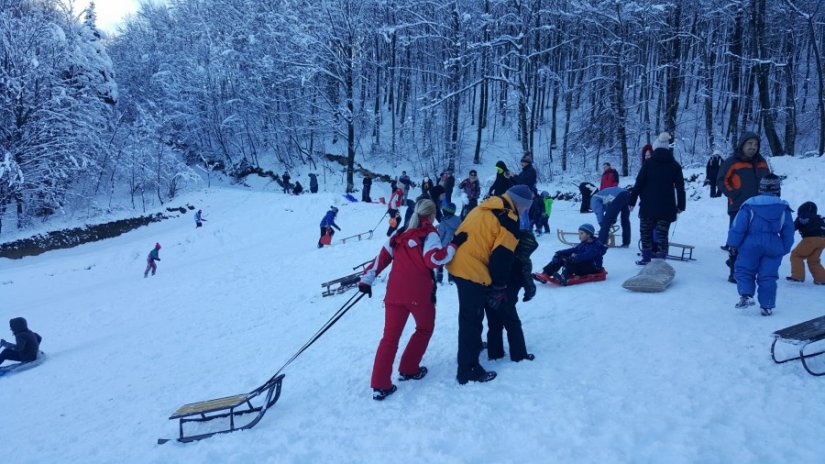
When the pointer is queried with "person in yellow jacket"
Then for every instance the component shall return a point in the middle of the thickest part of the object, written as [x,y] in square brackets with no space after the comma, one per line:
[480,269]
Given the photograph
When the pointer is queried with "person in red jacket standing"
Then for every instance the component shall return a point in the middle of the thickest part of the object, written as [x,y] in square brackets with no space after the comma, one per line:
[415,253]
[610,177]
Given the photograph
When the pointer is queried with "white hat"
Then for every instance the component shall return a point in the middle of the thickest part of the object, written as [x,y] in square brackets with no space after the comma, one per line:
[663,141]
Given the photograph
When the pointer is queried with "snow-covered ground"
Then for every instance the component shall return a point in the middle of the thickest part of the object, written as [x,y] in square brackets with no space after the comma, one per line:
[675,377]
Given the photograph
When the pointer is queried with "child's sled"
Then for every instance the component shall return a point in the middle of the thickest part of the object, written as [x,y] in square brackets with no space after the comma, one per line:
[362,236]
[326,239]
[573,279]
[341,285]
[572,238]
[23,366]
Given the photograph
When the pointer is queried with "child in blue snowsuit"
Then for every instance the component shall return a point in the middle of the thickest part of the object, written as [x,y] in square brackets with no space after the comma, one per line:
[761,234]
[327,223]
[583,259]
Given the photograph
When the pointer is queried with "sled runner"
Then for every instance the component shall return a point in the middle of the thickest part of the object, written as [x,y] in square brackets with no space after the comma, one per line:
[572,238]
[341,285]
[233,407]
[802,335]
[573,280]
[362,236]
[685,251]
[23,366]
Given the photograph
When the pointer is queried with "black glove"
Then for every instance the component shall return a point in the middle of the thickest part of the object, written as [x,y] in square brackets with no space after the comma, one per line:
[157,259]
[529,292]
[339,229]
[365,288]
[732,251]
[459,238]
[3,343]
[496,297]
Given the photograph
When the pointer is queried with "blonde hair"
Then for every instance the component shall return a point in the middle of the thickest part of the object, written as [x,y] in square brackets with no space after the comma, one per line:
[424,208]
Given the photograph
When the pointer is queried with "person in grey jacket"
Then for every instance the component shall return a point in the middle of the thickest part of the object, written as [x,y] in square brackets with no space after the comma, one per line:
[446,230]
[26,345]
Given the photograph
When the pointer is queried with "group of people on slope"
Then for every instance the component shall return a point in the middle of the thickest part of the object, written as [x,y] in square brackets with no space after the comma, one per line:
[297,188]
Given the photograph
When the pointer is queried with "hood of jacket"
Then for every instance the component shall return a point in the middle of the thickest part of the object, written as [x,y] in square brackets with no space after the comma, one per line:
[768,207]
[18,324]
[744,138]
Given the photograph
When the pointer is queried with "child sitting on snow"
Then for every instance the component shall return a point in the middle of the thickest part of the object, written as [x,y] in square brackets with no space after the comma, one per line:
[583,259]
[811,227]
[26,346]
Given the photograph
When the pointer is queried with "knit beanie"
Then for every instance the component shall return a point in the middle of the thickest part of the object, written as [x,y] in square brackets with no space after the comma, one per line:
[527,158]
[663,141]
[588,228]
[449,209]
[807,209]
[521,195]
[503,167]
[771,184]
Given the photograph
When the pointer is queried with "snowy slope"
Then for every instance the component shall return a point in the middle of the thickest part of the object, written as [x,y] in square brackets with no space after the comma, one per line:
[676,377]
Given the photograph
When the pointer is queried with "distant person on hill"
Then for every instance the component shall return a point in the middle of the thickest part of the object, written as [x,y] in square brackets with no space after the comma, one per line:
[739,178]
[150,261]
[811,227]
[586,189]
[313,183]
[761,234]
[502,182]
[199,220]
[712,173]
[543,222]
[472,190]
[583,259]
[285,179]
[405,183]
[448,182]
[414,254]
[610,177]
[26,343]
[446,230]
[365,192]
[327,224]
[528,175]
[298,188]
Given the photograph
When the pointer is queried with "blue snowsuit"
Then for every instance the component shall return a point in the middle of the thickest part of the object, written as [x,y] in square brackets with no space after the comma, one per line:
[762,232]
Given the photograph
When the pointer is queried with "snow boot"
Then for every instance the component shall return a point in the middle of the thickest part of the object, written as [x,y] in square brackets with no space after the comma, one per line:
[792,279]
[561,278]
[477,374]
[528,357]
[422,371]
[380,395]
[745,301]
[767,311]
[646,254]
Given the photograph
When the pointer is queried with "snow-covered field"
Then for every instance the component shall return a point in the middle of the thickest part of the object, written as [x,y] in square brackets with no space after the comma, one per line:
[675,377]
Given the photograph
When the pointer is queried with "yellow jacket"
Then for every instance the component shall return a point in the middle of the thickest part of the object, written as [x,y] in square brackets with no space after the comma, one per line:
[492,235]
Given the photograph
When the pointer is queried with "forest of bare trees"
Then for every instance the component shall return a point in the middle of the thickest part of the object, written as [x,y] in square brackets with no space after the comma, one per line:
[200,85]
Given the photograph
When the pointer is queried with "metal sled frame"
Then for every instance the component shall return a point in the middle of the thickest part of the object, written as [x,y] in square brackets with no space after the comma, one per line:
[611,237]
[344,283]
[362,236]
[802,334]
[686,251]
[227,407]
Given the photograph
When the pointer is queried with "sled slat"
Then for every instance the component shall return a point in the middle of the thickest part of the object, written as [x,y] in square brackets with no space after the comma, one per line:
[203,407]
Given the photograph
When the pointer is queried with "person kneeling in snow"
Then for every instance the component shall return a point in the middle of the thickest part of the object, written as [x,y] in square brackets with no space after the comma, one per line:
[583,259]
[415,253]
[761,234]
[26,346]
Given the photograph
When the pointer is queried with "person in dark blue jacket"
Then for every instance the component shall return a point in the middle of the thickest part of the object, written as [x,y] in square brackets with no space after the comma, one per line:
[26,343]
[761,234]
[327,223]
[583,259]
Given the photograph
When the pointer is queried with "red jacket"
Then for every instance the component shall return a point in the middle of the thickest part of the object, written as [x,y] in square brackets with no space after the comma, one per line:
[395,199]
[414,254]
[610,178]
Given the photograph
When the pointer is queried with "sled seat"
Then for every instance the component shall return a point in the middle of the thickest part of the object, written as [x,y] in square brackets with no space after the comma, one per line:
[229,407]
[801,335]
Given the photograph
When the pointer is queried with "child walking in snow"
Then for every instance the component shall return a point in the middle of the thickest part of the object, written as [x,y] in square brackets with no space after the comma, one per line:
[199,220]
[761,234]
[811,227]
[150,261]
[26,343]
[583,259]
[327,223]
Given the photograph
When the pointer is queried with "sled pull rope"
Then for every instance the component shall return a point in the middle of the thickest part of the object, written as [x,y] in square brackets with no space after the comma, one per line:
[332,320]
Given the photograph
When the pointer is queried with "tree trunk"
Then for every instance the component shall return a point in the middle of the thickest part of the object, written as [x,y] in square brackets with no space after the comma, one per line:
[762,70]
[735,70]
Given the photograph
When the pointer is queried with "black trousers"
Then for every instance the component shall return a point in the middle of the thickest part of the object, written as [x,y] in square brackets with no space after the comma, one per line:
[715,192]
[9,355]
[543,223]
[471,301]
[662,227]
[365,194]
[506,317]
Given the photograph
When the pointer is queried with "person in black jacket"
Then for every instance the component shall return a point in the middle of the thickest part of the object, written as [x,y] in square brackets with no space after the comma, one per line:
[811,227]
[587,194]
[661,187]
[712,173]
[528,175]
[502,182]
[313,183]
[26,343]
[286,185]
[365,193]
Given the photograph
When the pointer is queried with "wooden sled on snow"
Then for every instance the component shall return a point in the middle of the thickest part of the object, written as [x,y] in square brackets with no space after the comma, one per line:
[685,251]
[572,238]
[801,335]
[342,284]
[573,280]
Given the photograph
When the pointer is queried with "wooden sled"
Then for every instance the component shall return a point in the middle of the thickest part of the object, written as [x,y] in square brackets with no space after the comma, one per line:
[572,238]
[685,251]
[802,335]
[573,280]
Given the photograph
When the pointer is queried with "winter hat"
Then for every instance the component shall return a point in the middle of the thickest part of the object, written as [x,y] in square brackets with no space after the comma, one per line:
[449,209]
[157,246]
[717,151]
[521,195]
[18,324]
[807,209]
[770,184]
[334,209]
[545,194]
[501,167]
[588,228]
[744,138]
[663,141]
[527,158]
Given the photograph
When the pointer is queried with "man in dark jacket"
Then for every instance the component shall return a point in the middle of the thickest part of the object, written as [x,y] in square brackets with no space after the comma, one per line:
[528,175]
[365,193]
[712,173]
[738,179]
[286,185]
[26,343]
[502,182]
[661,187]
[448,182]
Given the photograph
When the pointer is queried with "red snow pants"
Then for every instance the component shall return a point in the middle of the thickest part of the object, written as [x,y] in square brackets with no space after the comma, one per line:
[395,318]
